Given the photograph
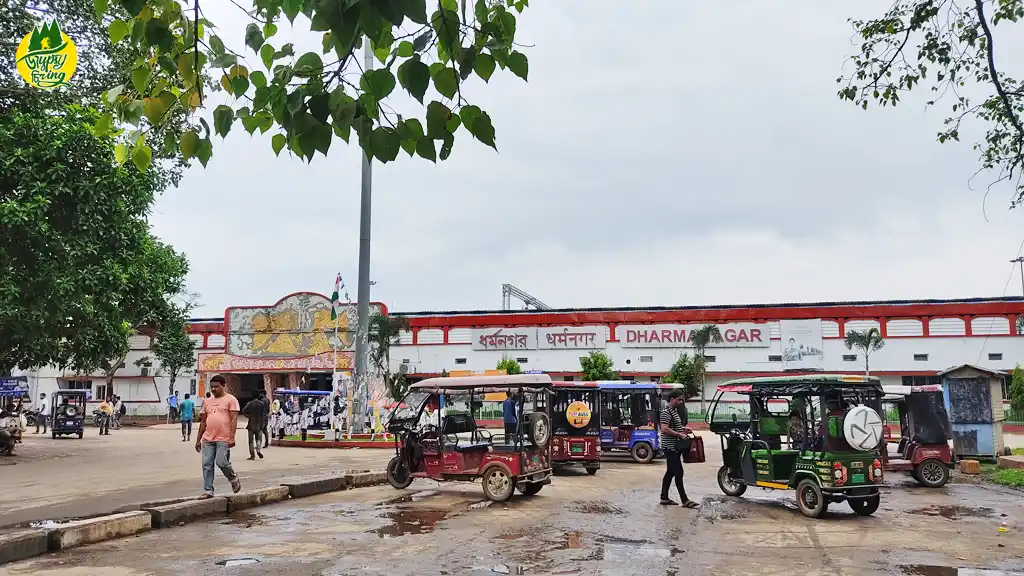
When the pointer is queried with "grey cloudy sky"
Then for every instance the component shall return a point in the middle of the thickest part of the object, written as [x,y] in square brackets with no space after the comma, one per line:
[662,153]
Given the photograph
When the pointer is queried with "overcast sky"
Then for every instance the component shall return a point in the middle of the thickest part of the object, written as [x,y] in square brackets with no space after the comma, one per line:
[662,153]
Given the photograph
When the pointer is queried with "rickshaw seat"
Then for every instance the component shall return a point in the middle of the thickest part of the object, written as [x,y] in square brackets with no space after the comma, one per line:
[458,423]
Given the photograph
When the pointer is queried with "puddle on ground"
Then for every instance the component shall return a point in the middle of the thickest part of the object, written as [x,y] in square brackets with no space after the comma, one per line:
[930,570]
[405,522]
[237,562]
[407,498]
[953,512]
[714,508]
[595,507]
[244,519]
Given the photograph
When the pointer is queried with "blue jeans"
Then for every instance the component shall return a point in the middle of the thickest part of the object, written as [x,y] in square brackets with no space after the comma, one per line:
[216,453]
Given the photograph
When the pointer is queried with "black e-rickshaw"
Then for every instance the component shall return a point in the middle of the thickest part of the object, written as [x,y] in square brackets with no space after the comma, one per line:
[68,410]
[576,426]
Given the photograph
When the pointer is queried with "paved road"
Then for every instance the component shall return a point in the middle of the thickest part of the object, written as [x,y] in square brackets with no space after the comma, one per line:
[68,477]
[605,524]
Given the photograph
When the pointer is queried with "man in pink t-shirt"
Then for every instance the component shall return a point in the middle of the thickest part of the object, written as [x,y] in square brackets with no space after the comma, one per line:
[218,423]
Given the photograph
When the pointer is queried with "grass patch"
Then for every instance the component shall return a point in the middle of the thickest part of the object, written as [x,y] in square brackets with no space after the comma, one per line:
[1013,477]
[1018,451]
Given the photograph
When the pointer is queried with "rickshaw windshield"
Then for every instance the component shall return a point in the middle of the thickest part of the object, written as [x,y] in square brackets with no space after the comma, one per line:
[410,406]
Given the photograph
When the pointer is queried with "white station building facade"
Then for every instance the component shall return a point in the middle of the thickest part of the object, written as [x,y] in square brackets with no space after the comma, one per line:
[922,338]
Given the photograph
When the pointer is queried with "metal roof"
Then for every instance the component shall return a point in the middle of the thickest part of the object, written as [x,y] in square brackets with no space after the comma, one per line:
[978,368]
[497,383]
[806,378]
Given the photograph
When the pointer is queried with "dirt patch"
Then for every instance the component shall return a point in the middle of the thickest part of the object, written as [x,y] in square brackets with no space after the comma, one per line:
[405,522]
[595,507]
[953,512]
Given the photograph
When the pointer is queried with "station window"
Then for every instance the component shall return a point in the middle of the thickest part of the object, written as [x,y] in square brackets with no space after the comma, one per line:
[849,357]
[775,358]
[709,358]
[920,357]
[460,360]
[522,360]
[647,358]
[995,356]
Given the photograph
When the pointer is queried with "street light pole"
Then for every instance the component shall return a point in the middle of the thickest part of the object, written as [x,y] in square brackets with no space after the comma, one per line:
[1020,260]
[361,398]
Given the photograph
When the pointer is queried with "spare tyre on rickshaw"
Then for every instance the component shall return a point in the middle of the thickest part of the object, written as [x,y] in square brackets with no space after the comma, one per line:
[922,448]
[576,426]
[437,435]
[832,437]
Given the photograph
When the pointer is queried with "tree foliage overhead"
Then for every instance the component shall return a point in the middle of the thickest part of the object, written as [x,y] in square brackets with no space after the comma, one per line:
[687,371]
[101,65]
[950,47]
[598,366]
[385,332]
[509,364]
[428,49]
[174,349]
[1017,389]
[79,269]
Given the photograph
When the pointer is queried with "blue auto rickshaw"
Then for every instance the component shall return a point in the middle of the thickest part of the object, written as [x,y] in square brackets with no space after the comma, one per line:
[630,413]
[68,413]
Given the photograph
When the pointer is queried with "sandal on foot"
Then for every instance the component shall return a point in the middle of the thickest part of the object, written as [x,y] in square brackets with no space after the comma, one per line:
[668,502]
[690,504]
[205,496]
[236,485]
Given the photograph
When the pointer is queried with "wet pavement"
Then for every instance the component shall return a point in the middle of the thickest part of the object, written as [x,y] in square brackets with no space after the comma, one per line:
[610,523]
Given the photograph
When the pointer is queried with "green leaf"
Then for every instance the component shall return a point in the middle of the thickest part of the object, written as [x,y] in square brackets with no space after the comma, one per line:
[446,81]
[142,156]
[385,144]
[421,41]
[416,10]
[414,76]
[187,68]
[133,111]
[118,30]
[102,126]
[467,62]
[100,6]
[120,153]
[291,9]
[140,78]
[267,55]
[425,149]
[224,61]
[482,129]
[217,45]
[308,65]
[379,83]
[410,129]
[518,64]
[239,84]
[469,113]
[446,146]
[133,7]
[484,66]
[253,37]
[327,42]
[258,79]
[205,151]
[278,142]
[111,96]
[223,116]
[189,144]
[159,35]
[155,108]
[409,146]
[269,29]
[437,119]
[453,123]
[405,49]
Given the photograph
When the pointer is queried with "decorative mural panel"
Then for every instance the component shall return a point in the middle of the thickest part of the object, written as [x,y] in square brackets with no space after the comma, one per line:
[298,325]
[228,363]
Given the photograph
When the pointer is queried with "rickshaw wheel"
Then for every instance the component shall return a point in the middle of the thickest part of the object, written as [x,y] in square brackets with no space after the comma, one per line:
[80,434]
[498,487]
[398,474]
[931,473]
[729,486]
[642,453]
[531,488]
[54,435]
[591,471]
[809,499]
[865,506]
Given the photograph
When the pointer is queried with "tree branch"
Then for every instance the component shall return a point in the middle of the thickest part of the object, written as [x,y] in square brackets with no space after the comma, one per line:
[990,53]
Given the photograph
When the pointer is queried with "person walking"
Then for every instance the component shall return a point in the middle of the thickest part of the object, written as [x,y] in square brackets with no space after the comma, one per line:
[256,411]
[188,411]
[107,409]
[218,424]
[119,410]
[172,406]
[266,419]
[43,414]
[508,408]
[673,431]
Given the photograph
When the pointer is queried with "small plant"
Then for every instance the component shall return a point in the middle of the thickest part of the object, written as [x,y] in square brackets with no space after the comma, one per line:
[867,341]
[598,366]
[686,371]
[509,364]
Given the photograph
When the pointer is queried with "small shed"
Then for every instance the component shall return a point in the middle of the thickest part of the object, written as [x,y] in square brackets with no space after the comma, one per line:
[974,400]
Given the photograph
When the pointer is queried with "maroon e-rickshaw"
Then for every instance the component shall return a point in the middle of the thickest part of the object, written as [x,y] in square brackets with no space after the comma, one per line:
[444,443]
[923,447]
[576,426]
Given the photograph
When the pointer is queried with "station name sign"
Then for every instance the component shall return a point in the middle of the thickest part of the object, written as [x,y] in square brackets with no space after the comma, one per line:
[548,338]
[734,335]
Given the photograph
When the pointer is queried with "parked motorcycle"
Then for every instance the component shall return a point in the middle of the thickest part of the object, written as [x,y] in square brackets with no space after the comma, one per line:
[10,432]
[31,415]
[97,418]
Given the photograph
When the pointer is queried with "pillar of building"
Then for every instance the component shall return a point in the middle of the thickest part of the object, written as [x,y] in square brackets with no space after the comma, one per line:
[293,380]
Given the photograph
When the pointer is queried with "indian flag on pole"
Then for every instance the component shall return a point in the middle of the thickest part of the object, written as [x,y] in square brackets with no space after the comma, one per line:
[336,297]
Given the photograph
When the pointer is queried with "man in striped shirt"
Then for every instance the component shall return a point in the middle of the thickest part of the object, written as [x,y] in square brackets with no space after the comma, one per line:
[673,430]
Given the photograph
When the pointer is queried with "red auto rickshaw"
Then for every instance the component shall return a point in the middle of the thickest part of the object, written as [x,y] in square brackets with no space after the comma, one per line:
[922,448]
[576,426]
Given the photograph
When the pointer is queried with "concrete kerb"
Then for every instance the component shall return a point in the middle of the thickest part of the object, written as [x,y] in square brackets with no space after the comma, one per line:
[305,487]
[22,544]
[182,512]
[94,530]
[259,497]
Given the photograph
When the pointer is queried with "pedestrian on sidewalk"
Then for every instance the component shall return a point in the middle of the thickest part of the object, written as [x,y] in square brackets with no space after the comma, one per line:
[172,406]
[43,413]
[256,411]
[107,411]
[673,431]
[266,421]
[188,411]
[218,424]
[119,411]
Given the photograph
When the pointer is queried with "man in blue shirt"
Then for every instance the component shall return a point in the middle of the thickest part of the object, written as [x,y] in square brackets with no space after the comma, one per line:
[509,408]
[188,408]
[172,406]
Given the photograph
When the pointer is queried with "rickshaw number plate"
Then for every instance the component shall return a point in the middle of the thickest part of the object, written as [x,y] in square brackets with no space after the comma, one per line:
[576,448]
[858,478]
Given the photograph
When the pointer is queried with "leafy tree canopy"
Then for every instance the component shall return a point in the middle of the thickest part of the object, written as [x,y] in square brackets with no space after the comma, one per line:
[1017,389]
[686,370]
[79,269]
[598,366]
[385,332]
[174,349]
[950,49]
[307,100]
[509,364]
